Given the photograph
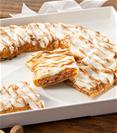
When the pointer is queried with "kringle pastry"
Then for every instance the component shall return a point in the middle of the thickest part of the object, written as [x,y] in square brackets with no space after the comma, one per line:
[51,67]
[19,97]
[40,36]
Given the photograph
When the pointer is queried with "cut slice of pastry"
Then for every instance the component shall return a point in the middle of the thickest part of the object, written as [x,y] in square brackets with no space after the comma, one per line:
[19,97]
[91,83]
[52,67]
[96,74]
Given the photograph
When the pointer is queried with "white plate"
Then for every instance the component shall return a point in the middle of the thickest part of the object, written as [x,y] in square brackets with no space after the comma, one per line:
[62,101]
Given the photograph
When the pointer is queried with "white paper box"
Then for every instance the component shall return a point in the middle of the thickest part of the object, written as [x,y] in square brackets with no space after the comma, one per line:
[62,101]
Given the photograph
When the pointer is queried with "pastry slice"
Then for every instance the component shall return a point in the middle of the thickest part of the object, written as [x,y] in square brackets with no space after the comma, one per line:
[19,97]
[90,82]
[96,75]
[52,67]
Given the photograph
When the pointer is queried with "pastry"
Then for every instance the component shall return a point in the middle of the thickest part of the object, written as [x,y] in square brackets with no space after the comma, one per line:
[59,46]
[15,40]
[80,46]
[96,75]
[19,97]
[51,67]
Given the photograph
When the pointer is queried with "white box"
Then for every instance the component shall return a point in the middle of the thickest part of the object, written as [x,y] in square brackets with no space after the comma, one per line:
[62,101]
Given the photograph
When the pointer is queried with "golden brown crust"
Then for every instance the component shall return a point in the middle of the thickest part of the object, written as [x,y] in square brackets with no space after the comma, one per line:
[7,55]
[11,110]
[115,77]
[94,92]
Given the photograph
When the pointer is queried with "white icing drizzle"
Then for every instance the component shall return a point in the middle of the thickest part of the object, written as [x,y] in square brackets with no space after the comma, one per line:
[84,80]
[98,63]
[4,41]
[94,70]
[40,33]
[50,63]
[15,98]
[44,34]
[4,98]
[80,43]
[11,34]
[19,96]
[29,96]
